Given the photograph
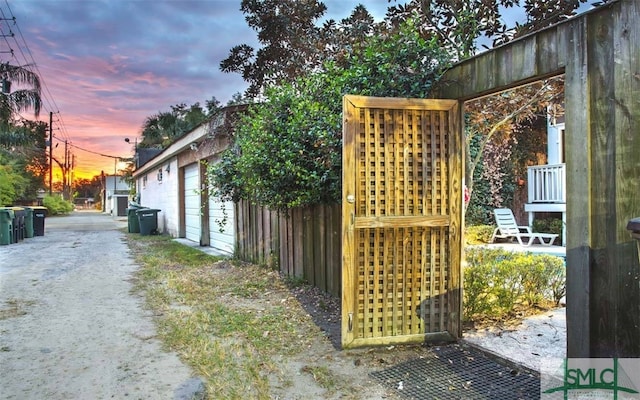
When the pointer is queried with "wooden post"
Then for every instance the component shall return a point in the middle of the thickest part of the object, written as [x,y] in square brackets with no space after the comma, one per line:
[598,51]
[577,145]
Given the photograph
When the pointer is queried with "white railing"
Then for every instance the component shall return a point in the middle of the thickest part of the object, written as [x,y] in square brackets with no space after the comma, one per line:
[547,183]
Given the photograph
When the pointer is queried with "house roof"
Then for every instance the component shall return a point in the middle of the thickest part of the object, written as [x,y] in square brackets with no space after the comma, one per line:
[206,130]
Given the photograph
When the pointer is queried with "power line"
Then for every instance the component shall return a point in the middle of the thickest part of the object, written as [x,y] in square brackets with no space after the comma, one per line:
[30,63]
[6,36]
[93,152]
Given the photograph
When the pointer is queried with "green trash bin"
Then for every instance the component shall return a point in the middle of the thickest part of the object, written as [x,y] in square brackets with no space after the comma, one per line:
[133,223]
[39,214]
[148,219]
[28,222]
[6,226]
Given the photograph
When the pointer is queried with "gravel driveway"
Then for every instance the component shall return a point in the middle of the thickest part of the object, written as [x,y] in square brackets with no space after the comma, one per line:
[70,327]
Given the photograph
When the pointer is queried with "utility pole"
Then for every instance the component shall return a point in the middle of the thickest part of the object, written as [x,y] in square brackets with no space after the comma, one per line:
[71,177]
[64,170]
[50,152]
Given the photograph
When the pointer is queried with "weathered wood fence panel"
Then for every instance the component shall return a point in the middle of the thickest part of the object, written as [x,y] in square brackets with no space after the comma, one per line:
[305,243]
[598,54]
[257,238]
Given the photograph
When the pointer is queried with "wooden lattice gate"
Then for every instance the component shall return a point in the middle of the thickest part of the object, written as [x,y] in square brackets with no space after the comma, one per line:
[402,213]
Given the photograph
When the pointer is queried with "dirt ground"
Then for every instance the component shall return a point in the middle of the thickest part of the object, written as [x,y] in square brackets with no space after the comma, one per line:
[71,327]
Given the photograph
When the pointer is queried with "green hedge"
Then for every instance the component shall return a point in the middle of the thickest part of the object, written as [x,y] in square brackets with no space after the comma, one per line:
[57,205]
[548,225]
[496,281]
[478,234]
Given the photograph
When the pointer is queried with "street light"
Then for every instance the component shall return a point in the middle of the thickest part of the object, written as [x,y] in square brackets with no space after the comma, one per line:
[135,150]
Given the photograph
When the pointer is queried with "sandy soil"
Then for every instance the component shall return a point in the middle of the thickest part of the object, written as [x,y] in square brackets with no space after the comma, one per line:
[531,342]
[70,328]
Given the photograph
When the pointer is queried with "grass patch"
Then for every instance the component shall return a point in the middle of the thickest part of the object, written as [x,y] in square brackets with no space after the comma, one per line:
[323,376]
[215,314]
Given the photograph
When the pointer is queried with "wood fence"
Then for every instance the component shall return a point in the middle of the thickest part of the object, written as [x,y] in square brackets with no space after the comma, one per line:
[304,243]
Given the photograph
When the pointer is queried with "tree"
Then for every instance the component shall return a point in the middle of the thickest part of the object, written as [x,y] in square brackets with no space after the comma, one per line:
[403,56]
[236,99]
[20,100]
[13,184]
[348,36]
[540,14]
[89,188]
[459,24]
[456,24]
[399,63]
[283,157]
[503,112]
[23,156]
[491,124]
[293,45]
[12,103]
[287,150]
[22,145]
[161,129]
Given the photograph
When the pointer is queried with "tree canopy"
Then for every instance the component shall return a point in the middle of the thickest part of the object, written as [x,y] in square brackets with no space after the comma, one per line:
[288,149]
[161,129]
[23,162]
[293,43]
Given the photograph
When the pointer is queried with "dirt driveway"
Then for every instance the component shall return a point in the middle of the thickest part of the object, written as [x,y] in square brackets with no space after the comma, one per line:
[70,328]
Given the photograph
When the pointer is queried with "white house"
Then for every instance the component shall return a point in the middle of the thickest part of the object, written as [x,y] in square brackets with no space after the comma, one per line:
[175,182]
[115,195]
[546,183]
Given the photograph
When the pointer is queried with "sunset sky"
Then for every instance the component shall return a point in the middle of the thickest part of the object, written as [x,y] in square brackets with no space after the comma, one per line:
[107,65]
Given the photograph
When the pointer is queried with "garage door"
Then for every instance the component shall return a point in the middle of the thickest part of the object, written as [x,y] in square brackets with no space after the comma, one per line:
[192,202]
[221,226]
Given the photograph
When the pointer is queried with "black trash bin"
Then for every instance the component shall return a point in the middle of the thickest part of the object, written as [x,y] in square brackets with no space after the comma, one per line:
[148,219]
[39,214]
[18,224]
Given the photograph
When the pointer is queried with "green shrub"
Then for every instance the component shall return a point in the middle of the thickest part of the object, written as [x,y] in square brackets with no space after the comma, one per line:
[496,281]
[478,234]
[288,149]
[548,225]
[557,282]
[57,205]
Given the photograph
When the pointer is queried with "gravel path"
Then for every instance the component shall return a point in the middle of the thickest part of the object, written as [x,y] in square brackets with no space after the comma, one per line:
[70,327]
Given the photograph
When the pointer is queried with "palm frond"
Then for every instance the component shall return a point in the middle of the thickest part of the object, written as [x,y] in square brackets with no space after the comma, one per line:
[21,75]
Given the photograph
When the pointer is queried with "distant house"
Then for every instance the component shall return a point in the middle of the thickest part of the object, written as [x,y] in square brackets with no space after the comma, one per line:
[175,182]
[115,195]
[546,184]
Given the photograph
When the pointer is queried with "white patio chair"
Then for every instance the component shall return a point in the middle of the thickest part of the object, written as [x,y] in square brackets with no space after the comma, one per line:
[508,228]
